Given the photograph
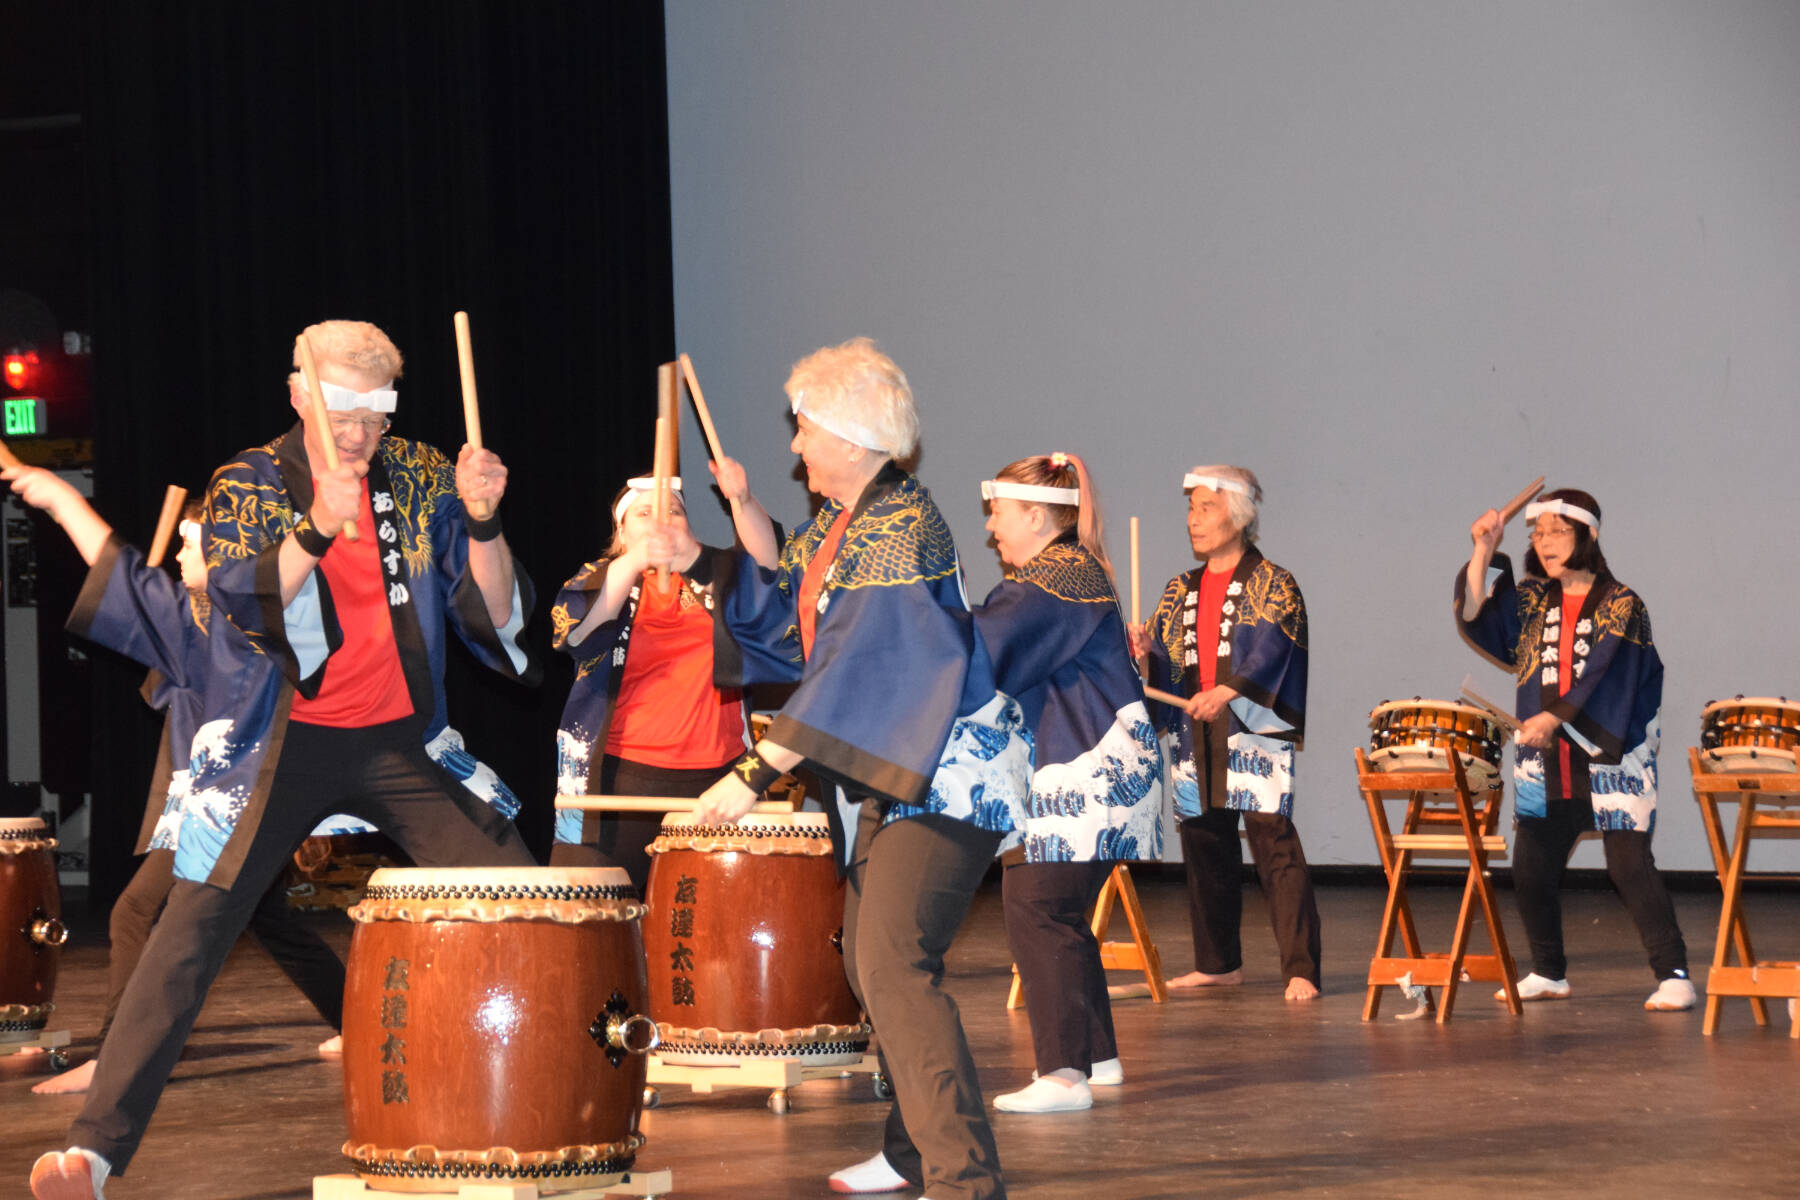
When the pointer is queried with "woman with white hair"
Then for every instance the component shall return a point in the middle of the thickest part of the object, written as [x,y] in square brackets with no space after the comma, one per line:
[895,704]
[1590,685]
[1058,644]
[656,708]
[1230,636]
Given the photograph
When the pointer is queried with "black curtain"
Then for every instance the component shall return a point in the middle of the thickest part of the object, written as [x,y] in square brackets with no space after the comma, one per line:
[258,167]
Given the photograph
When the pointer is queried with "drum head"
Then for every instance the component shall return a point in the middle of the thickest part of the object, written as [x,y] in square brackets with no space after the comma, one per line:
[800,824]
[510,881]
[1744,760]
[22,827]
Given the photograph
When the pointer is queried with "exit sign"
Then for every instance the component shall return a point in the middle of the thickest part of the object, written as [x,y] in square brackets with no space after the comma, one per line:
[24,416]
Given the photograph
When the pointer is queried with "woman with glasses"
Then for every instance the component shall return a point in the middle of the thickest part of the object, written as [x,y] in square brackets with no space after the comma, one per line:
[655,710]
[1058,643]
[1589,686]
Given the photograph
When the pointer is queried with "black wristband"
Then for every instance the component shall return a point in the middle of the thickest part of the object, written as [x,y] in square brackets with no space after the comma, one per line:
[308,537]
[482,531]
[756,773]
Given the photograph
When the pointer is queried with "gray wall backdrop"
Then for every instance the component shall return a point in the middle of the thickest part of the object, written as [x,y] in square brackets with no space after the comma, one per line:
[1398,258]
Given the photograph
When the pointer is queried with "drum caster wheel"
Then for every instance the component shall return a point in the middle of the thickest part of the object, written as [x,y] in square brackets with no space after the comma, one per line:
[881,1086]
[778,1103]
[652,1098]
[59,1061]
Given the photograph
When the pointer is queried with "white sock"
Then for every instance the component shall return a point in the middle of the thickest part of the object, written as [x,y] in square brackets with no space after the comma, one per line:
[98,1167]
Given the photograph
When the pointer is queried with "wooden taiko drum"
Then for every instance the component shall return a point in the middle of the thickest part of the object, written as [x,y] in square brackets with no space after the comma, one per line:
[1750,735]
[494,1028]
[1420,735]
[31,928]
[745,942]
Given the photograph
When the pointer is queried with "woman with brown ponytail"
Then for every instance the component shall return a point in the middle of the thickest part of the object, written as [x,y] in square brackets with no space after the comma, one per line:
[1054,632]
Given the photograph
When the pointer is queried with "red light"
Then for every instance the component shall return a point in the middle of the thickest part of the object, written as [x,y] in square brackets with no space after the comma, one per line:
[19,370]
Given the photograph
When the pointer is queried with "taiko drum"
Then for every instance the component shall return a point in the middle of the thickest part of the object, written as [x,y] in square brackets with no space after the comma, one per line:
[31,928]
[745,943]
[495,1022]
[1420,735]
[1750,734]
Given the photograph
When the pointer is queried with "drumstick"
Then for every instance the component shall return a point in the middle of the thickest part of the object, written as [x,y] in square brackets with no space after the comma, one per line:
[1519,501]
[323,422]
[665,456]
[700,409]
[173,499]
[654,804]
[1136,615]
[1497,714]
[481,510]
[7,457]
[1162,697]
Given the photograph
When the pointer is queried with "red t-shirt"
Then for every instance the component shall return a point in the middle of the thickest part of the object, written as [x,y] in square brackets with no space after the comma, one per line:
[1208,613]
[1565,654]
[364,683]
[813,582]
[668,713]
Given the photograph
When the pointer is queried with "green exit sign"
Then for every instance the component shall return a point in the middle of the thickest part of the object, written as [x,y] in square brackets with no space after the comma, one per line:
[24,416]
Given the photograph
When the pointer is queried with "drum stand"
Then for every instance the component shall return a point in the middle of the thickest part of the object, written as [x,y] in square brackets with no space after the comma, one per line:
[50,1040]
[1436,800]
[1757,980]
[1139,954]
[777,1074]
[630,1183]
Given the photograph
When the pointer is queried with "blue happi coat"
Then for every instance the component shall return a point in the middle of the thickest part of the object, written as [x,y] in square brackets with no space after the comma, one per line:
[1058,645]
[600,665]
[262,653]
[1609,717]
[1260,651]
[897,700]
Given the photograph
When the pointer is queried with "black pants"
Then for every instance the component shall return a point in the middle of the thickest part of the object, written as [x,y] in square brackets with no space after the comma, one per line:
[1058,957]
[1216,891]
[1541,849]
[910,884]
[381,774]
[623,839]
[302,955]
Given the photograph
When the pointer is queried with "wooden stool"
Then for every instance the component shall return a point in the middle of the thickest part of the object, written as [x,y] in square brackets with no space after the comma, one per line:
[1139,954]
[1755,979]
[1436,801]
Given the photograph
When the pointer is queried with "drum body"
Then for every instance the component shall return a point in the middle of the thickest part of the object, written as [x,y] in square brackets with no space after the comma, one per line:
[1750,735]
[31,928]
[1420,735]
[745,938]
[494,1028]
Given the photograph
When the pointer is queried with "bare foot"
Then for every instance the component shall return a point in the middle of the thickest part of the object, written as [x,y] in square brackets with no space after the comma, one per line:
[1199,979]
[1301,989]
[331,1046]
[75,1079]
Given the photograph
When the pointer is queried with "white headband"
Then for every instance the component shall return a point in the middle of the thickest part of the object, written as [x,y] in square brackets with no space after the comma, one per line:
[1562,508]
[1191,481]
[639,487]
[1006,489]
[189,529]
[342,399]
[839,424]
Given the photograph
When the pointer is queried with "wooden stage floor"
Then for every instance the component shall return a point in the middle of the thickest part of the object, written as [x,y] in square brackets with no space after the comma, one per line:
[1227,1093]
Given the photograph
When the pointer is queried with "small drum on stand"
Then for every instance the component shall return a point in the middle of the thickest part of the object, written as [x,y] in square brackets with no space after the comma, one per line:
[745,942]
[1418,735]
[494,1028]
[31,930]
[1750,735]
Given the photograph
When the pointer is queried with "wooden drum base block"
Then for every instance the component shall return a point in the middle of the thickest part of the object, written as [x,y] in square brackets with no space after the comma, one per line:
[1768,807]
[631,1183]
[776,1074]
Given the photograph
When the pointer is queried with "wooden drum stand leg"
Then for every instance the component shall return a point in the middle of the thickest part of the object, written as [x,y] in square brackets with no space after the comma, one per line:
[1139,954]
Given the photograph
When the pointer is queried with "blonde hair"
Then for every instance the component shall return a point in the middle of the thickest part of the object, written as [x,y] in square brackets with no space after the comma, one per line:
[855,386]
[1061,470]
[1245,510]
[359,345]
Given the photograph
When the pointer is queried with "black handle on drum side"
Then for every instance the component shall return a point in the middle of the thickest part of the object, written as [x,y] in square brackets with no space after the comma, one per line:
[619,1031]
[47,931]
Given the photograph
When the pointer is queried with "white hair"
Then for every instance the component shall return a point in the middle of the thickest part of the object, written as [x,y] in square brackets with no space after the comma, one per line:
[855,387]
[1245,510]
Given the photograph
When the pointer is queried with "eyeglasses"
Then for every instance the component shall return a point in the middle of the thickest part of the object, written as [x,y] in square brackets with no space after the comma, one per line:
[372,426]
[1557,533]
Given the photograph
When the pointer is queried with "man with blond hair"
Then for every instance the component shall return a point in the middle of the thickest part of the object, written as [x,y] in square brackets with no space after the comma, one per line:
[325,685]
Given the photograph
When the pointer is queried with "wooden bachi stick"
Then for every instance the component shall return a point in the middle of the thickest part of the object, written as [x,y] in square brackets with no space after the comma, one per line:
[1137,616]
[173,498]
[700,409]
[320,419]
[465,362]
[1521,500]
[1162,697]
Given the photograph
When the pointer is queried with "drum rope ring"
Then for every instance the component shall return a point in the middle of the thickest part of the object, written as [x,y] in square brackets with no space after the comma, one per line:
[613,1030]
